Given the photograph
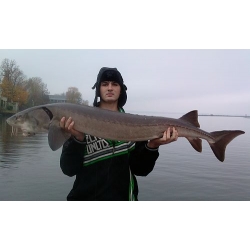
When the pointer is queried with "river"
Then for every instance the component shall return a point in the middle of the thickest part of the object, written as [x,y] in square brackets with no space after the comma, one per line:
[29,169]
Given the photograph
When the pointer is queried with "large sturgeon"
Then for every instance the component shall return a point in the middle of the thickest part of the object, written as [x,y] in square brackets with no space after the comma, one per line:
[117,126]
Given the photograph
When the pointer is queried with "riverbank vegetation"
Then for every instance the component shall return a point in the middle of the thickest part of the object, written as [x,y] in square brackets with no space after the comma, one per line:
[18,92]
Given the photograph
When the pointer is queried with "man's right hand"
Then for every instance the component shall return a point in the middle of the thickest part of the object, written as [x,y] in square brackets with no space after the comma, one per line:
[68,126]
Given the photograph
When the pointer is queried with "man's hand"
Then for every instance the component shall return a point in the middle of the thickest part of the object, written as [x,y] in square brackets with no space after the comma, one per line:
[170,135]
[68,126]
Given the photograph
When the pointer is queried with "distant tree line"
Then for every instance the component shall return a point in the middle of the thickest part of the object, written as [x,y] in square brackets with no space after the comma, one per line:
[28,92]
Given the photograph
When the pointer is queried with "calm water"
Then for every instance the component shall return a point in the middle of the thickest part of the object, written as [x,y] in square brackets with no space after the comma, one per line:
[29,170]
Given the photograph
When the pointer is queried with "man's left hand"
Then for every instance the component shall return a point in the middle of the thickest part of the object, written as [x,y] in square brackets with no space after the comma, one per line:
[170,135]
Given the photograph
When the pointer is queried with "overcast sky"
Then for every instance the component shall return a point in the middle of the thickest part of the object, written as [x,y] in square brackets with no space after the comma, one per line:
[174,81]
[161,71]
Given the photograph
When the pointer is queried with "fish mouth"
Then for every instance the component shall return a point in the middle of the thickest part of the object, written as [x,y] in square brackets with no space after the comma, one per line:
[27,133]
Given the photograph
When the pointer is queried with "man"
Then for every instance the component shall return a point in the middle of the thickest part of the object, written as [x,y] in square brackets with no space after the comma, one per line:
[105,169]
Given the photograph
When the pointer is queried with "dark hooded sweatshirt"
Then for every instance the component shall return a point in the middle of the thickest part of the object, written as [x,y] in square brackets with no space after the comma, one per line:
[105,170]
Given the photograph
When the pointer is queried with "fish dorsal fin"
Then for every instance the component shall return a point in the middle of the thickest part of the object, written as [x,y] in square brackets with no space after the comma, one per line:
[191,117]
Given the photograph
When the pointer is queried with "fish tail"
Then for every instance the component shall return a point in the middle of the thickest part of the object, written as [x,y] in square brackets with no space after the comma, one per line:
[222,139]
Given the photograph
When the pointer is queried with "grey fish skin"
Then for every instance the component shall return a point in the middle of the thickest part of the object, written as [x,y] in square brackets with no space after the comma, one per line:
[117,126]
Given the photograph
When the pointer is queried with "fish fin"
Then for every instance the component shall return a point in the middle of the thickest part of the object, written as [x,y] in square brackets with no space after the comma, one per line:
[191,117]
[222,139]
[56,136]
[196,143]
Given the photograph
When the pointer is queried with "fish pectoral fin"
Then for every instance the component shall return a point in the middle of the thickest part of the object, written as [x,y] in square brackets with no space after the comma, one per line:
[196,143]
[56,136]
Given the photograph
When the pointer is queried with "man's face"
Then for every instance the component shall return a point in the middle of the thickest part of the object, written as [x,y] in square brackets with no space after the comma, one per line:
[110,91]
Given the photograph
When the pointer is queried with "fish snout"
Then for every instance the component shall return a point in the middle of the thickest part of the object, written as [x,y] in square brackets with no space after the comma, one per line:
[10,121]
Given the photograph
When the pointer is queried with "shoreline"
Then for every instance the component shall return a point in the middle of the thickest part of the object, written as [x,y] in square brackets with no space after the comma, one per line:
[244,116]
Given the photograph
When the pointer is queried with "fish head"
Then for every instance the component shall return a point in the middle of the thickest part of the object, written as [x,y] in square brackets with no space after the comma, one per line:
[26,122]
[30,121]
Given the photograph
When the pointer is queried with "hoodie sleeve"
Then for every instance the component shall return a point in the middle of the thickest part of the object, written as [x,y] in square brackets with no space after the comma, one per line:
[142,159]
[71,159]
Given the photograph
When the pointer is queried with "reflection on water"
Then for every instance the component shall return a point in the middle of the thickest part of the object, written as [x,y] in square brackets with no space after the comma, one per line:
[29,169]
[184,174]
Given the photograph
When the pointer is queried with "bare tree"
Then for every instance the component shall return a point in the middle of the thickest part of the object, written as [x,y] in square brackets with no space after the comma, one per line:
[73,95]
[38,92]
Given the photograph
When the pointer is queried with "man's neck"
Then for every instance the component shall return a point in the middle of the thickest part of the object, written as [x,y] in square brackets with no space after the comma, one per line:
[109,106]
